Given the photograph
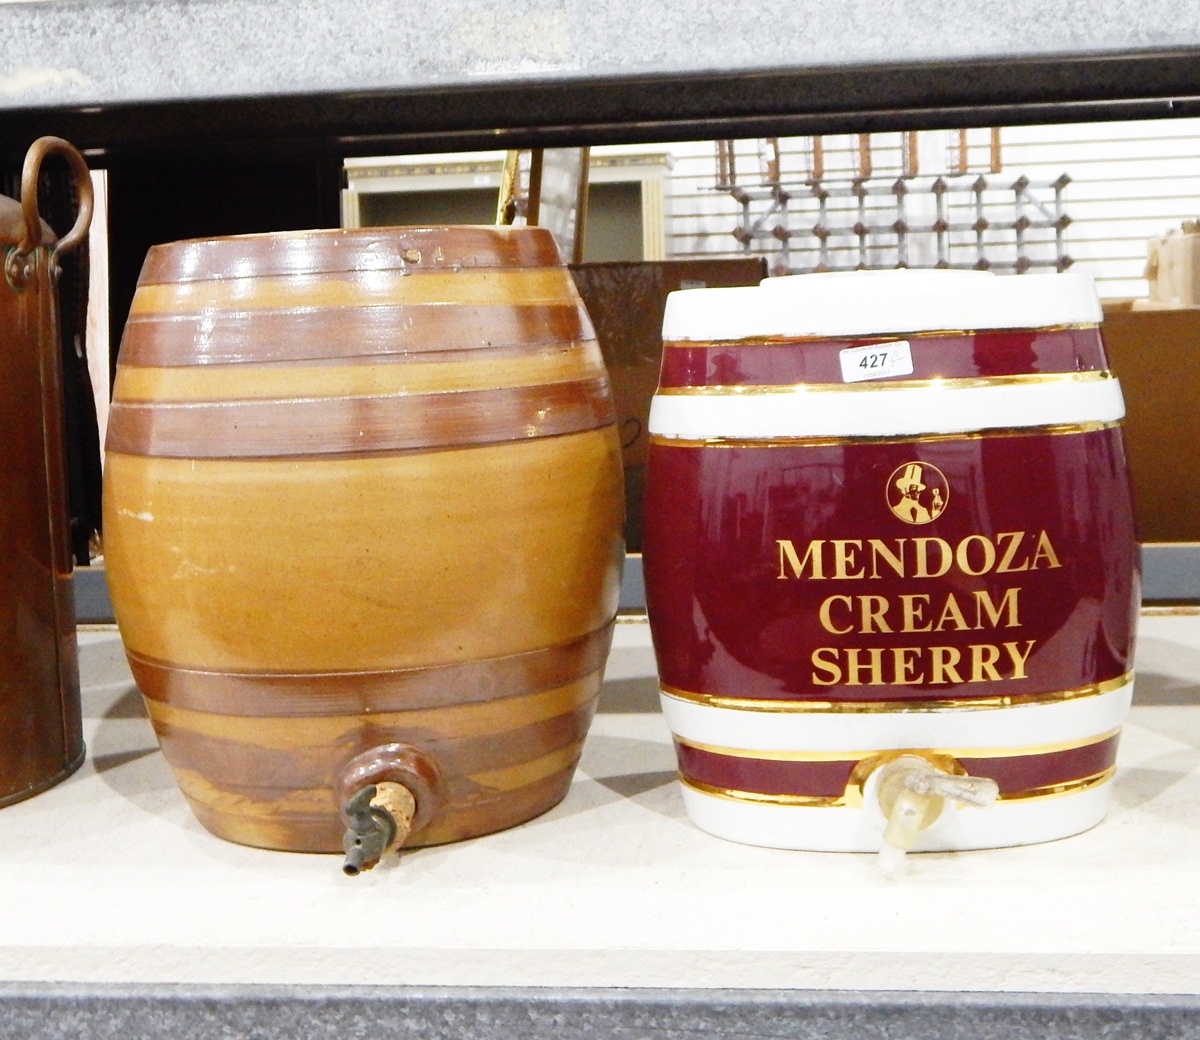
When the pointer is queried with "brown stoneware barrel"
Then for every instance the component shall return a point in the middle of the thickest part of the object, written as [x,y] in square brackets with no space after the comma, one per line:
[363,525]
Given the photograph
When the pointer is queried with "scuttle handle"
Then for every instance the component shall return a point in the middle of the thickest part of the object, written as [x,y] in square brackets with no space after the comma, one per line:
[18,263]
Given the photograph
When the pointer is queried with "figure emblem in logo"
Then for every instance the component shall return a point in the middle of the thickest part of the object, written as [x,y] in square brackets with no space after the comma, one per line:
[917,492]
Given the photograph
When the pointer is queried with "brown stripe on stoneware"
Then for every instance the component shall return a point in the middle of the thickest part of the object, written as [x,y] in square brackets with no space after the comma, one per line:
[498,760]
[267,825]
[485,815]
[495,751]
[362,249]
[348,693]
[356,290]
[308,735]
[230,337]
[263,828]
[369,377]
[517,775]
[358,426]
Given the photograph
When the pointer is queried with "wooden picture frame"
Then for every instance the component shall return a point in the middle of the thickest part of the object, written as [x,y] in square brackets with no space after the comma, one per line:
[547,187]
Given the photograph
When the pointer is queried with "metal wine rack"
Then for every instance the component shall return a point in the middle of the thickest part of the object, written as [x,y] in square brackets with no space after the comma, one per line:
[863,222]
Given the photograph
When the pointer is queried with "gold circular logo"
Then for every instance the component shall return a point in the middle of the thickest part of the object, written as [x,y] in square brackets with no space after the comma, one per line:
[917,492]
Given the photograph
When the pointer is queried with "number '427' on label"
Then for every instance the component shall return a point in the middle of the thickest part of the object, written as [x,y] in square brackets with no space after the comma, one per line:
[876,361]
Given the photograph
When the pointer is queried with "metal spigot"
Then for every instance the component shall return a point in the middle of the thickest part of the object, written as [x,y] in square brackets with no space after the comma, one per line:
[379,817]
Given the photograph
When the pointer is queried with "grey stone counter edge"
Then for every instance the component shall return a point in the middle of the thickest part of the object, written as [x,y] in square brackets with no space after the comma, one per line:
[99,52]
[570,108]
[99,1012]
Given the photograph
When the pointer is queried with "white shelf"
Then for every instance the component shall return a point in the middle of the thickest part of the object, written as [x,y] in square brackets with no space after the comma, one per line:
[108,879]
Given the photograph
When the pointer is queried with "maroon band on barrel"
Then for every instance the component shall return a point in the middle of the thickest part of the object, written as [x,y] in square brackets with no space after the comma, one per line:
[947,355]
[722,603]
[1014,774]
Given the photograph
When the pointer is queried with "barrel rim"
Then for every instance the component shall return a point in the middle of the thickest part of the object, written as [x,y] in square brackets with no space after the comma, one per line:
[315,251]
[881,303]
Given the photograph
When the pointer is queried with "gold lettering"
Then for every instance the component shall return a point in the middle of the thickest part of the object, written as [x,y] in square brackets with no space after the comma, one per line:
[788,558]
[1044,551]
[946,557]
[984,605]
[830,667]
[893,560]
[1014,539]
[843,557]
[826,615]
[983,660]
[962,555]
[944,663]
[916,665]
[872,609]
[905,666]
[1018,659]
[951,612]
[874,669]
[914,612]
[976,554]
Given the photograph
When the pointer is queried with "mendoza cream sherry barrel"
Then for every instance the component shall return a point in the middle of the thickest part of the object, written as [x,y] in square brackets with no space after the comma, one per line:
[890,561]
[363,528]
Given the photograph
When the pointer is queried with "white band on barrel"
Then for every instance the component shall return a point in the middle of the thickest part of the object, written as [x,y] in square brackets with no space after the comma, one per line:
[888,411]
[866,303]
[846,829]
[1015,726]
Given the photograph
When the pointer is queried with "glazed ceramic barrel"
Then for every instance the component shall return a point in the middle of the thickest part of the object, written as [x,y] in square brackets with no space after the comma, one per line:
[363,515]
[888,514]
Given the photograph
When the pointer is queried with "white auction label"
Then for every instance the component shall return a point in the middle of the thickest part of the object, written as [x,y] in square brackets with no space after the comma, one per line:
[877,361]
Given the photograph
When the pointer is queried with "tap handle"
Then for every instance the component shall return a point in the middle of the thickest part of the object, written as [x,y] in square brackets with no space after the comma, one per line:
[979,791]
